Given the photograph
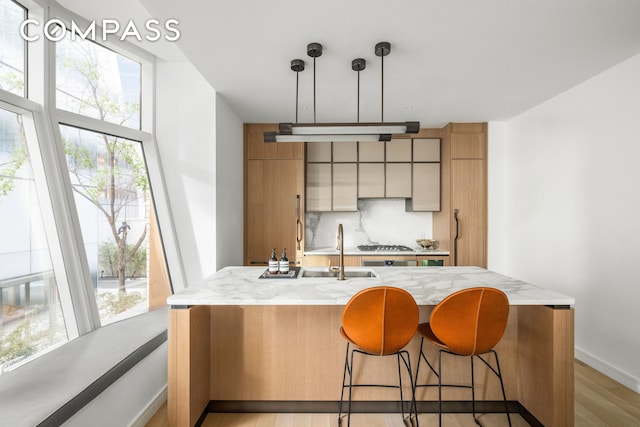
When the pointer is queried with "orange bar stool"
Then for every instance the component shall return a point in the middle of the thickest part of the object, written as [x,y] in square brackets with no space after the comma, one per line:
[378,321]
[466,323]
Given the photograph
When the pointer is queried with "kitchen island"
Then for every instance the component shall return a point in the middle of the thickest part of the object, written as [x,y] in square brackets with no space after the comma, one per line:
[242,343]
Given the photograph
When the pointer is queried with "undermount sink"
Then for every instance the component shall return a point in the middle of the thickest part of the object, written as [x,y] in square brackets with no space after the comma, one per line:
[334,273]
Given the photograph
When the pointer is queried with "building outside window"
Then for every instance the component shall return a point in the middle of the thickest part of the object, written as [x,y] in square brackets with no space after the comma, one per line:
[96,82]
[12,48]
[31,320]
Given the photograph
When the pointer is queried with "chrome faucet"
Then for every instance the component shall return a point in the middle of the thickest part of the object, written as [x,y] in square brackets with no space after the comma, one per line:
[341,249]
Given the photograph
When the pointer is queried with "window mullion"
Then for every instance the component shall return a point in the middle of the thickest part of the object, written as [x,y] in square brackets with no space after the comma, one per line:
[80,304]
[80,290]
[85,122]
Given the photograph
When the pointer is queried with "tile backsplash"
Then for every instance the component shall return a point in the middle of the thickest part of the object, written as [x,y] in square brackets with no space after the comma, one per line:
[377,221]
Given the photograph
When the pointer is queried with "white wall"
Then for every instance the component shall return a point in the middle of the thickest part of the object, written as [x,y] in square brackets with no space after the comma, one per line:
[132,400]
[496,233]
[186,135]
[229,189]
[571,198]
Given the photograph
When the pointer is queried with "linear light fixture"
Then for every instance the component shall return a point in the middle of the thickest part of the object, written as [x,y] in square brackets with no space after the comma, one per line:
[328,132]
[275,137]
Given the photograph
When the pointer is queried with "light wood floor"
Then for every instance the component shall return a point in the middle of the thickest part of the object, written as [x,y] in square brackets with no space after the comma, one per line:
[599,401]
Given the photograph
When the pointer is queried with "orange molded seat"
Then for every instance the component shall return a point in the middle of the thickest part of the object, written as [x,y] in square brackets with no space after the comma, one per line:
[378,321]
[466,323]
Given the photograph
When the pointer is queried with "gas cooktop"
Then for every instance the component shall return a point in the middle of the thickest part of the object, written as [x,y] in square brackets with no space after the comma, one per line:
[384,248]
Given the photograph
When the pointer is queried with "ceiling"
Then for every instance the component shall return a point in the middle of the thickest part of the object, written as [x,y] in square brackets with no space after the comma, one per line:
[455,60]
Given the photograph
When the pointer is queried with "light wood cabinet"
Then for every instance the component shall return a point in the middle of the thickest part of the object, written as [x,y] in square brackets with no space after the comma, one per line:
[318,187]
[371,151]
[398,180]
[256,148]
[376,170]
[468,197]
[371,180]
[346,151]
[463,148]
[345,187]
[319,152]
[398,150]
[271,207]
[273,196]
[426,150]
[330,261]
[468,141]
[426,187]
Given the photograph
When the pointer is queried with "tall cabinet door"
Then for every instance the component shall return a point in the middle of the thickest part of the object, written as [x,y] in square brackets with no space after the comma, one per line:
[468,182]
[274,193]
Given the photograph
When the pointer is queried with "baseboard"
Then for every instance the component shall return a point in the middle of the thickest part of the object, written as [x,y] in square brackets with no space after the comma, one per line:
[149,411]
[608,370]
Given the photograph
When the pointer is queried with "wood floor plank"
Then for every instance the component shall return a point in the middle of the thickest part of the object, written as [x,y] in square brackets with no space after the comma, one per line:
[599,402]
[284,420]
[267,420]
[606,392]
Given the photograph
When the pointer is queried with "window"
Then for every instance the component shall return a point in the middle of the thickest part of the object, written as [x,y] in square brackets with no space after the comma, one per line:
[111,187]
[109,178]
[97,82]
[12,48]
[73,169]
[31,320]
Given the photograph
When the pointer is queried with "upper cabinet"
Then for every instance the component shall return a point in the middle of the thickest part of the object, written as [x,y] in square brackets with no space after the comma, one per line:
[332,176]
[426,150]
[319,187]
[319,152]
[344,186]
[398,150]
[370,180]
[426,187]
[425,195]
[398,180]
[256,148]
[468,141]
[345,152]
[339,173]
[369,152]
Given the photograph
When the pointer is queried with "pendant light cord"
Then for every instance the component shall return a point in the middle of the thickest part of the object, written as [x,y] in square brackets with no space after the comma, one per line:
[297,86]
[314,89]
[382,90]
[358,116]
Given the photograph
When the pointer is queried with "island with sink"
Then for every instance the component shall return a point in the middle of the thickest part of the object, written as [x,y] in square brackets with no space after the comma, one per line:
[240,342]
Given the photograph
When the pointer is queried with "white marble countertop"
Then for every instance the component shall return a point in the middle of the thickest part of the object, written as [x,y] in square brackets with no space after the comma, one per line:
[356,251]
[428,285]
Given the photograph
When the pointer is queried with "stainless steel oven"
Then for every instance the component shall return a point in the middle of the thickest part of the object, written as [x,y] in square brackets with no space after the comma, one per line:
[389,262]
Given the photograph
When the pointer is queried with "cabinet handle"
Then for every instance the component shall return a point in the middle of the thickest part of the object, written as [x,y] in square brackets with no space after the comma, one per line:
[455,239]
[258,263]
[298,223]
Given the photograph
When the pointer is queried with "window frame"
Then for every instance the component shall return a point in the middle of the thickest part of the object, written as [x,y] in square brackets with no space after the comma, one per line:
[39,104]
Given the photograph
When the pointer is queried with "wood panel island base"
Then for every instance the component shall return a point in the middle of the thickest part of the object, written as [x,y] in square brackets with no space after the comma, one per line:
[273,345]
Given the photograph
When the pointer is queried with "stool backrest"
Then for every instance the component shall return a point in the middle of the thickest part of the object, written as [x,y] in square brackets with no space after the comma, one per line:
[471,321]
[381,320]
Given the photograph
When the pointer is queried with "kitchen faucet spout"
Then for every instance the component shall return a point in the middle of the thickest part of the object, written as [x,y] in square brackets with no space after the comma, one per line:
[341,256]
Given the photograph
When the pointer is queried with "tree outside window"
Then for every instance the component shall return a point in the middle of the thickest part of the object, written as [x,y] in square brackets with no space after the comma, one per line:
[108,173]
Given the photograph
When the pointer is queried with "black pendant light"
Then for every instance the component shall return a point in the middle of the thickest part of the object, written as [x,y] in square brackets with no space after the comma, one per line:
[325,132]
